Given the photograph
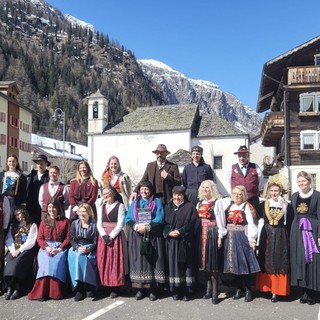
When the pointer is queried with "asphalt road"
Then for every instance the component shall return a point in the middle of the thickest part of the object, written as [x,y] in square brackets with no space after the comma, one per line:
[126,307]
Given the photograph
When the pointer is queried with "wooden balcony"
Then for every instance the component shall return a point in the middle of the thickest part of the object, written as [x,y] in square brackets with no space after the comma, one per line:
[308,76]
[272,128]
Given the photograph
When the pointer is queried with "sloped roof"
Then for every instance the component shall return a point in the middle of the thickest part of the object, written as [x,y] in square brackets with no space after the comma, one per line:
[157,118]
[9,85]
[96,94]
[213,125]
[181,157]
[274,71]
[54,153]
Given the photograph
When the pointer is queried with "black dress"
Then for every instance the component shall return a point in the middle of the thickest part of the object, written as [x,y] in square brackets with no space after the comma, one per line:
[273,254]
[22,266]
[180,251]
[305,274]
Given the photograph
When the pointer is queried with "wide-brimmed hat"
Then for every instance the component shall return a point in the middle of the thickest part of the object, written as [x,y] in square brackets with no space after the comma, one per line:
[41,157]
[242,149]
[161,148]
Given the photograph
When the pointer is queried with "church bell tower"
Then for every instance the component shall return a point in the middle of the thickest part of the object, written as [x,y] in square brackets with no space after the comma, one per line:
[97,113]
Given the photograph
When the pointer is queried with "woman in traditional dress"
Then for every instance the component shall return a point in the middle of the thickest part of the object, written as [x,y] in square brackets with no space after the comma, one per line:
[13,183]
[112,245]
[180,218]
[83,189]
[273,253]
[53,239]
[113,176]
[239,246]
[305,239]
[145,219]
[20,241]
[210,237]
[82,254]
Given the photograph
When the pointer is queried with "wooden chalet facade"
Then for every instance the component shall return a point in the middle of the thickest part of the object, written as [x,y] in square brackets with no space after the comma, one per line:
[290,96]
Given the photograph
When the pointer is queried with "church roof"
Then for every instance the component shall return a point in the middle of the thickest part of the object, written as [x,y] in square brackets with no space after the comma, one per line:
[157,118]
[213,125]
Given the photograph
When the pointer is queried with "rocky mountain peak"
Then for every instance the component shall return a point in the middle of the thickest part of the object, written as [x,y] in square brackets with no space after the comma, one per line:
[176,88]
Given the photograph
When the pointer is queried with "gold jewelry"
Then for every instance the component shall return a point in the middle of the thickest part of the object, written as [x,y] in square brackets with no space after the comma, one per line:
[274,214]
[302,208]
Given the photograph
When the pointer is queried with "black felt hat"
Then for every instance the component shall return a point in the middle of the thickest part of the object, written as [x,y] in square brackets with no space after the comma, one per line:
[179,189]
[41,157]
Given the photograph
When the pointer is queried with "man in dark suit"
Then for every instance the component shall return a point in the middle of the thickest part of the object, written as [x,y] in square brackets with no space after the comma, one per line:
[163,175]
[35,179]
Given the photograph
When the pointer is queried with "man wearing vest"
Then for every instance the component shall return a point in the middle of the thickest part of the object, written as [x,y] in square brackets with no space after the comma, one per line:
[54,189]
[4,225]
[247,174]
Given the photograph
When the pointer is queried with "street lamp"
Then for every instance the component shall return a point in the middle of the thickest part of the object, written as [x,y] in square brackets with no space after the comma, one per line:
[60,116]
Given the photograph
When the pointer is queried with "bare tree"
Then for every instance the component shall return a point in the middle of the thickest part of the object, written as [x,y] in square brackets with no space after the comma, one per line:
[70,168]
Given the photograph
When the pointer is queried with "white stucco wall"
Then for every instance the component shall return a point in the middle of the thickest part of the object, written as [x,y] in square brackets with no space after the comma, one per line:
[258,152]
[133,150]
[225,147]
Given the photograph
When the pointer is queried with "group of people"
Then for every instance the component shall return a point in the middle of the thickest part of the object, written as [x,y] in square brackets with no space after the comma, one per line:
[171,232]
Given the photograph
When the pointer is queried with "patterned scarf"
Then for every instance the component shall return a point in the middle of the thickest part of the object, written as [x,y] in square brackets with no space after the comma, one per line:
[20,235]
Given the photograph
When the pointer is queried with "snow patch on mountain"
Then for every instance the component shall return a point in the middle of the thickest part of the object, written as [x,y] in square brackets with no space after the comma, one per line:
[179,89]
[74,21]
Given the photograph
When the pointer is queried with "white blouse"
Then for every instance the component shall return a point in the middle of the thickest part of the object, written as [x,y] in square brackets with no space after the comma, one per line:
[29,243]
[120,221]
[219,208]
[252,227]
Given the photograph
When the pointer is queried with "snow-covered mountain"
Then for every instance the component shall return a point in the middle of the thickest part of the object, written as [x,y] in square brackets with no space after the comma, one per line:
[74,21]
[177,88]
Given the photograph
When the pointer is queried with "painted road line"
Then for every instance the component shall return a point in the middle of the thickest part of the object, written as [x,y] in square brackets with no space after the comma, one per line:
[104,310]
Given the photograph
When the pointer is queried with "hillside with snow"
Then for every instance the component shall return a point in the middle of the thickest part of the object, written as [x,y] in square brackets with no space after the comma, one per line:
[179,89]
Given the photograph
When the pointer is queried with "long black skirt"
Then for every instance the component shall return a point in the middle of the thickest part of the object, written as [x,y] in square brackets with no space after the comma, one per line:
[22,266]
[273,254]
[146,269]
[180,273]
[303,274]
[211,256]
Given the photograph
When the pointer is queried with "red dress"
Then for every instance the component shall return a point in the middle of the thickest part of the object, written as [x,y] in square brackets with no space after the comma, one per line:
[111,259]
[50,287]
[84,192]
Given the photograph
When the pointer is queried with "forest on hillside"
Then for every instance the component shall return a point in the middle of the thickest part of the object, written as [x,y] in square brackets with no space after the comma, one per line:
[57,65]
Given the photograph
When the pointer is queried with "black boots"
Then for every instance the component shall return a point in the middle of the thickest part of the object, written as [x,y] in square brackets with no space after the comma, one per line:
[9,293]
[208,293]
[237,295]
[212,291]
[13,291]
[248,295]
[308,297]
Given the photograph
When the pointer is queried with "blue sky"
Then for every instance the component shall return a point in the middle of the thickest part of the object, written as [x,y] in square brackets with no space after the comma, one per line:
[225,42]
